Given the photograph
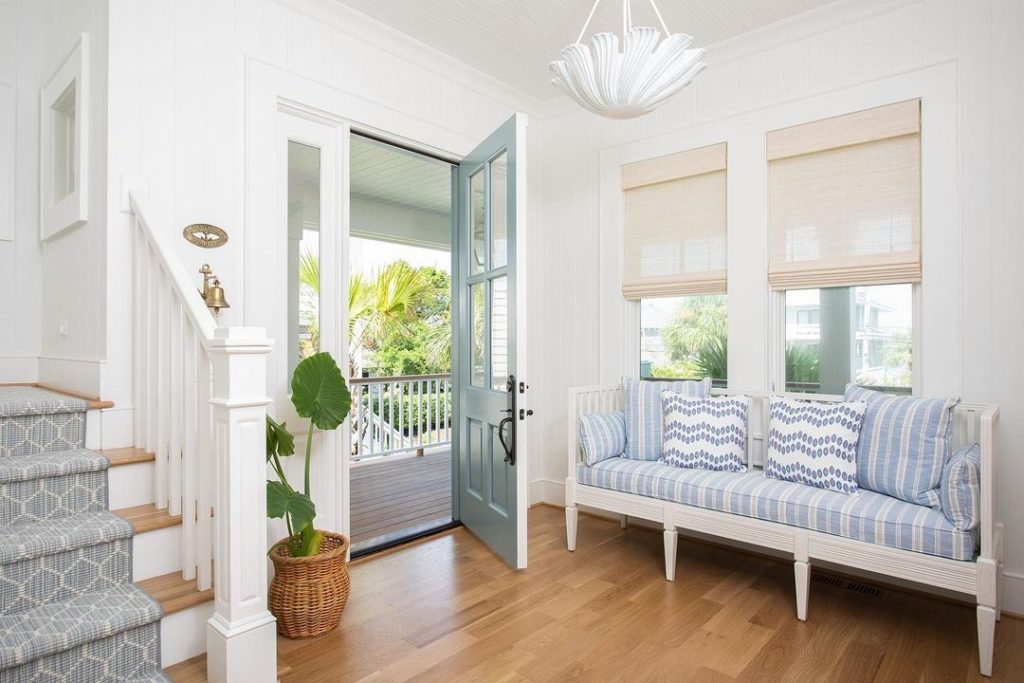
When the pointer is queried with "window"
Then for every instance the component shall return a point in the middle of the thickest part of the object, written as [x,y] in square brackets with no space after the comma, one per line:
[844,200]
[684,337]
[844,346]
[303,252]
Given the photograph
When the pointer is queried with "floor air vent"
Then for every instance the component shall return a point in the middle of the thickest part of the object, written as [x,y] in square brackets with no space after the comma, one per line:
[828,580]
[863,589]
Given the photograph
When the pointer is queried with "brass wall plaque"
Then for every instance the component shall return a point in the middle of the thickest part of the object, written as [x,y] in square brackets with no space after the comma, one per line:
[205,235]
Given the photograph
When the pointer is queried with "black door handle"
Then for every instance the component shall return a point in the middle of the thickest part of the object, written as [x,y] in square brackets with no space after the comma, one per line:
[510,448]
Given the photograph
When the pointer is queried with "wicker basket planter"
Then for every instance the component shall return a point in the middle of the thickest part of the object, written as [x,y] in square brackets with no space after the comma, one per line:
[308,594]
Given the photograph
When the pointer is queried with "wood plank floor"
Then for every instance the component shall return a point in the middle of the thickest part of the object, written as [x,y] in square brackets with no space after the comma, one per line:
[447,609]
[399,495]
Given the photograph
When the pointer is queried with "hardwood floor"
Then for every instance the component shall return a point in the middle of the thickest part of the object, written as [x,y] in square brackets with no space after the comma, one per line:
[400,495]
[446,609]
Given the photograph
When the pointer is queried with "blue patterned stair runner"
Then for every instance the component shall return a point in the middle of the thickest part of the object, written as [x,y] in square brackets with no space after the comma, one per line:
[69,612]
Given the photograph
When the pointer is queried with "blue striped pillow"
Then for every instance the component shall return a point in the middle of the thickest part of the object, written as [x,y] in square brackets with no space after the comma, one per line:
[644,414]
[903,445]
[960,492]
[602,436]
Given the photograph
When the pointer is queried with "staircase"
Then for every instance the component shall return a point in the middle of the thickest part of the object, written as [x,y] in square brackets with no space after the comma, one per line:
[69,611]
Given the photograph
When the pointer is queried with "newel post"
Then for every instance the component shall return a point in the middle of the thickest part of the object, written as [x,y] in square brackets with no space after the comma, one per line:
[241,636]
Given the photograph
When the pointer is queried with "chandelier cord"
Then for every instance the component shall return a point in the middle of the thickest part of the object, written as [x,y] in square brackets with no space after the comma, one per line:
[664,26]
[589,17]
[627,18]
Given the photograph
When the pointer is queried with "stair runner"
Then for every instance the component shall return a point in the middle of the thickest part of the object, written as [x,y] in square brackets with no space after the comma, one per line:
[69,612]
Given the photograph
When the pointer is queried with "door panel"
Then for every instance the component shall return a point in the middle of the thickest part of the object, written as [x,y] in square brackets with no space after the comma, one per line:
[489,283]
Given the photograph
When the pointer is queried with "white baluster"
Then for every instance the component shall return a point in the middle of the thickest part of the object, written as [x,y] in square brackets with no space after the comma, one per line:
[205,471]
[139,348]
[162,361]
[175,393]
[188,455]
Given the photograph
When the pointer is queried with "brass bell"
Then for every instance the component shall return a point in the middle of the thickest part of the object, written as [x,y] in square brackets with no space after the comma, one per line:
[213,294]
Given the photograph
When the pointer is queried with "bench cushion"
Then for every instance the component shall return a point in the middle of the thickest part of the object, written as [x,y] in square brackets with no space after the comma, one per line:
[644,413]
[868,516]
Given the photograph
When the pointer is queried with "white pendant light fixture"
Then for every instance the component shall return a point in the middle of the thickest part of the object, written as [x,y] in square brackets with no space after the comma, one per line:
[623,82]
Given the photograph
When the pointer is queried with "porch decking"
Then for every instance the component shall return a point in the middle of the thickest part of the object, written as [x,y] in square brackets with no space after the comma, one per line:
[397,496]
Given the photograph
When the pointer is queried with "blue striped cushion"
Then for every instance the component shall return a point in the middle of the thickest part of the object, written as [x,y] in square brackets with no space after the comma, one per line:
[706,433]
[870,517]
[961,488]
[903,444]
[643,412]
[602,436]
[814,443]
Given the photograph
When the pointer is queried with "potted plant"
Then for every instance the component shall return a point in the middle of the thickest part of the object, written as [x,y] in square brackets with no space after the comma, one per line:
[311,583]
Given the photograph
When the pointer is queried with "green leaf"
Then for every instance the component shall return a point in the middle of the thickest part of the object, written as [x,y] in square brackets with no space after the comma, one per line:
[281,502]
[319,391]
[279,439]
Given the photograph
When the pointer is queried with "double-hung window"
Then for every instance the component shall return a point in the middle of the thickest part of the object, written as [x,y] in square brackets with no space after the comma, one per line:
[845,247]
[675,261]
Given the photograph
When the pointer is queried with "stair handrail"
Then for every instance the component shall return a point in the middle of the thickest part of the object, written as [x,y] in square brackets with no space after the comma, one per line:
[188,295]
[200,393]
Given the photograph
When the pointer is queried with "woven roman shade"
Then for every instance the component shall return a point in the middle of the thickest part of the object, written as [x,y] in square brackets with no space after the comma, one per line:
[844,197]
[675,229]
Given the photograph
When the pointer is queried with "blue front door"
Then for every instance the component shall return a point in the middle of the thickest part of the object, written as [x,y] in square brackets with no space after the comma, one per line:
[491,357]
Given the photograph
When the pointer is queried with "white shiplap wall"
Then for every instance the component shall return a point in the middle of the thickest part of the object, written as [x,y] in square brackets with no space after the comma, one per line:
[45,287]
[848,44]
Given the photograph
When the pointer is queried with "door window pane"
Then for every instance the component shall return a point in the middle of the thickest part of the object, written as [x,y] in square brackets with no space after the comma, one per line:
[477,248]
[478,348]
[499,211]
[838,335]
[303,252]
[499,333]
[684,337]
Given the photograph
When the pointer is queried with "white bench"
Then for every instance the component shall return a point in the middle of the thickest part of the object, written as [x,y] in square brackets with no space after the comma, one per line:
[980,578]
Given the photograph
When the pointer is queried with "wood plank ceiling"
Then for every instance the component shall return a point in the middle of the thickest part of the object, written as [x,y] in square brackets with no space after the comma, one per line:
[383,174]
[513,40]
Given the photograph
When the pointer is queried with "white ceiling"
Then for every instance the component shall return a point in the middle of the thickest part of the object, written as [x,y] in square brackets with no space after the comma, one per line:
[513,40]
[382,173]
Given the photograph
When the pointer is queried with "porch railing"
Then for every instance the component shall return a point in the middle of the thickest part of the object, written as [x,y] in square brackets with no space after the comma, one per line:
[400,414]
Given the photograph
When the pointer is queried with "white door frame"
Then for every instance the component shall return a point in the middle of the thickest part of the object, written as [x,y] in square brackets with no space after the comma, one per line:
[271,93]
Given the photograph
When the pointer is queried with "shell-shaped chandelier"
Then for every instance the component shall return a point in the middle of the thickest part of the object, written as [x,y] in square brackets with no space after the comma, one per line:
[623,82]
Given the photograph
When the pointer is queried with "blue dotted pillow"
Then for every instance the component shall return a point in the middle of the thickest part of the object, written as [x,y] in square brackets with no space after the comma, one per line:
[705,433]
[814,443]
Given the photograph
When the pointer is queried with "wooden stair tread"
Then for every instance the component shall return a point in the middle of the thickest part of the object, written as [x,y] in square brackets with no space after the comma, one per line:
[175,593]
[127,456]
[148,518]
[194,670]
[95,403]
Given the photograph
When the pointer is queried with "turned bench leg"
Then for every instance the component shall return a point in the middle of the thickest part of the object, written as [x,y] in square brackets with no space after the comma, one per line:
[571,517]
[671,543]
[802,574]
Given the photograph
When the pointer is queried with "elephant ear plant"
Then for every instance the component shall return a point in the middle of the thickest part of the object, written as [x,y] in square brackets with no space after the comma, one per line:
[319,392]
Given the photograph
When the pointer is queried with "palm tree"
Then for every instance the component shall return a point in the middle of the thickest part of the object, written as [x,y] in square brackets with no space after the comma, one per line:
[380,305]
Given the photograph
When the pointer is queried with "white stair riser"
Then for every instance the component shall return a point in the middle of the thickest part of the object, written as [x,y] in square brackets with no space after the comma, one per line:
[183,634]
[156,553]
[130,485]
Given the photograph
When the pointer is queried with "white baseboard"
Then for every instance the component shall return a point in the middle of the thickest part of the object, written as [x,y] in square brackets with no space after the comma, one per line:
[547,491]
[1013,595]
[72,374]
[183,634]
[19,370]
